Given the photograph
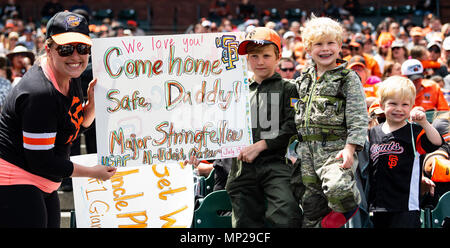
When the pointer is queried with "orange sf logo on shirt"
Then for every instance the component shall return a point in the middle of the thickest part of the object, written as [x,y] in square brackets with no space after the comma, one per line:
[76,117]
[393,159]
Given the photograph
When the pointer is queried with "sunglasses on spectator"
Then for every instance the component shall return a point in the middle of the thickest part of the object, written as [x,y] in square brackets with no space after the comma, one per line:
[287,69]
[354,48]
[434,49]
[67,50]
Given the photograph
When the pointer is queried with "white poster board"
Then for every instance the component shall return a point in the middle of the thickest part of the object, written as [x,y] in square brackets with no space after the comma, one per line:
[159,100]
[160,196]
[164,98]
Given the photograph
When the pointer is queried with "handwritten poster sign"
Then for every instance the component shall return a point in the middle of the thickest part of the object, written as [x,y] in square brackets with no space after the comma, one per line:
[164,98]
[159,100]
[160,196]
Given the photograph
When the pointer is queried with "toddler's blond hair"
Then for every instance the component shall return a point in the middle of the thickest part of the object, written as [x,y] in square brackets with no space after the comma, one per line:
[397,87]
[317,28]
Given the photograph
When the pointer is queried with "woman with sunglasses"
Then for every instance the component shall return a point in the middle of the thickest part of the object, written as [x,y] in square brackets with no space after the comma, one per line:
[43,114]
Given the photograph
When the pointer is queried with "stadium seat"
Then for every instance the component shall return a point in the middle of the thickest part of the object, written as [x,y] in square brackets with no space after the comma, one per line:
[432,114]
[102,14]
[387,10]
[274,14]
[405,9]
[209,183]
[203,186]
[368,11]
[127,14]
[209,214]
[441,211]
[200,186]
[425,218]
[73,222]
[293,14]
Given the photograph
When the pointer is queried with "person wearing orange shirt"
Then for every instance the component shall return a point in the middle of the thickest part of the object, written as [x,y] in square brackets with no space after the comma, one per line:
[429,95]
[371,63]
[358,64]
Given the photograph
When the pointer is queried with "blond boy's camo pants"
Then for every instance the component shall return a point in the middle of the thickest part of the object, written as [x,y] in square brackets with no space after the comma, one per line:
[326,185]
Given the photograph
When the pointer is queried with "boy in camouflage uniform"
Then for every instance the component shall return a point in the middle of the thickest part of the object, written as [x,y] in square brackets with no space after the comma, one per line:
[258,182]
[331,119]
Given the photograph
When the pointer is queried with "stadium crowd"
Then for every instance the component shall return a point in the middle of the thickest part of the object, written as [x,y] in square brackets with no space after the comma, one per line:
[384,46]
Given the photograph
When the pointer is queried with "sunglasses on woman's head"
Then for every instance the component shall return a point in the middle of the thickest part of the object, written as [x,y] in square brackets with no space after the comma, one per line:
[67,50]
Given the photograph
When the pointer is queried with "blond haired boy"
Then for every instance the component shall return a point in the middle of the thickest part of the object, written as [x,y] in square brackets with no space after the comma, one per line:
[394,148]
[331,119]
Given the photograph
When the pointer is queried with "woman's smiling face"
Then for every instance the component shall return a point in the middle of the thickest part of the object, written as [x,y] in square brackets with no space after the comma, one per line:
[71,66]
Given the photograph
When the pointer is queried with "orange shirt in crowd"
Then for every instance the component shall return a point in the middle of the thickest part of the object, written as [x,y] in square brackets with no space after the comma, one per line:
[430,64]
[430,97]
[370,90]
[371,64]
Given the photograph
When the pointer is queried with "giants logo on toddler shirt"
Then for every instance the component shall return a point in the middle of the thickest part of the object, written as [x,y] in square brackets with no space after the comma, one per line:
[381,149]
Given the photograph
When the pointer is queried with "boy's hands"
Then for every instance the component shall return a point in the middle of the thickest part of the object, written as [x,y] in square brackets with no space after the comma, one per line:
[203,169]
[249,153]
[427,185]
[418,116]
[347,155]
[192,160]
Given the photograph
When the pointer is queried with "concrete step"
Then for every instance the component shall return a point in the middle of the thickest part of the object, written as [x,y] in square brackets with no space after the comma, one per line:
[65,219]
[66,203]
[66,200]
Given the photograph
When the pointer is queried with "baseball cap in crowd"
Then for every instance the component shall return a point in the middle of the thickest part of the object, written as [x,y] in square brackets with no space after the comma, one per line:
[446,44]
[13,35]
[375,108]
[357,60]
[385,39]
[356,43]
[206,23]
[434,44]
[260,35]
[397,43]
[68,27]
[288,34]
[412,68]
[416,31]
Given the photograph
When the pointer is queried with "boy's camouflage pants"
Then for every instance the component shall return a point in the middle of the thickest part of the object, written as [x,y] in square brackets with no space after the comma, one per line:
[320,184]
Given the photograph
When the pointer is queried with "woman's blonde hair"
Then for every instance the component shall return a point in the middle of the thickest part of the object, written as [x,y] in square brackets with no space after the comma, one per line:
[317,28]
[42,54]
[397,86]
[49,42]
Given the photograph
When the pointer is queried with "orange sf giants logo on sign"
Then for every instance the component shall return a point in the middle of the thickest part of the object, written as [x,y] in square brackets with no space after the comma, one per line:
[76,117]
[229,44]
